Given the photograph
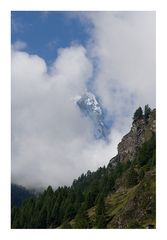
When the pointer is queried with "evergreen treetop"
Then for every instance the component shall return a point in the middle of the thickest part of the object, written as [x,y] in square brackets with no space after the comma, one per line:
[138,114]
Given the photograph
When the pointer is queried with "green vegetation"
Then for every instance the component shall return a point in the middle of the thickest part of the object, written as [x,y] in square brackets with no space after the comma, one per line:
[119,196]
[19,194]
[138,114]
[132,177]
[147,153]
[100,213]
[147,111]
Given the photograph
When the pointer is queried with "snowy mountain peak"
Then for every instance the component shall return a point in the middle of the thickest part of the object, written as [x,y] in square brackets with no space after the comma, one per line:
[89,101]
[90,107]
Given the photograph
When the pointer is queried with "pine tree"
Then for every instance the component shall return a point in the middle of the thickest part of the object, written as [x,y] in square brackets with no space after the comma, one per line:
[132,178]
[70,212]
[101,222]
[82,220]
[138,114]
[89,201]
[42,218]
[100,208]
[55,216]
[147,151]
[147,111]
[100,213]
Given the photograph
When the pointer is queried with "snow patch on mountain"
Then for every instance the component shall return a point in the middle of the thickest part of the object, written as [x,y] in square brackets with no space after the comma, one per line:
[91,108]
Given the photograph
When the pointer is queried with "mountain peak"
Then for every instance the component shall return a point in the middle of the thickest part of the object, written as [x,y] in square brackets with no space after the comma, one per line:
[91,108]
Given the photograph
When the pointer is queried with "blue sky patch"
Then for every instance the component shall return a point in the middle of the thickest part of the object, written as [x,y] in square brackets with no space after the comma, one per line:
[46,32]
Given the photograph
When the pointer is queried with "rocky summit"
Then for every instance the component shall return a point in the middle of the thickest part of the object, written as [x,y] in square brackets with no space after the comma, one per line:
[91,108]
[141,131]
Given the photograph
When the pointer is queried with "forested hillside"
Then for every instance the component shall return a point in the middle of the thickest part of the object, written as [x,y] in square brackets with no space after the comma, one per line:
[19,194]
[120,195]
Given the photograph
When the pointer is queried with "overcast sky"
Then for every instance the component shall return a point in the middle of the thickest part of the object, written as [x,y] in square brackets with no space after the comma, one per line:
[54,57]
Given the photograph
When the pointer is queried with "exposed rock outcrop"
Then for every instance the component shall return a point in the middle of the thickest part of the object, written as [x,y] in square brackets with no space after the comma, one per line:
[141,131]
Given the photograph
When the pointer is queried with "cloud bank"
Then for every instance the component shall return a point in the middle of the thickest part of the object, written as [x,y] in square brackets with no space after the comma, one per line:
[52,143]
[123,44]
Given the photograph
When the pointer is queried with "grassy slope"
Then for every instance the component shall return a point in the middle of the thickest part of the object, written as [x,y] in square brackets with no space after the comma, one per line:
[134,207]
[130,208]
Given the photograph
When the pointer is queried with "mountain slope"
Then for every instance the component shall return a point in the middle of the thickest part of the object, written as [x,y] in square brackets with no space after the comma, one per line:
[121,195]
[130,208]
[19,194]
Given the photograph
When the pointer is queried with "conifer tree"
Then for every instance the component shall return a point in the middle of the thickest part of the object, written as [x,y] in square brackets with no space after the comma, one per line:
[138,114]
[82,220]
[101,222]
[132,178]
[147,111]
[100,213]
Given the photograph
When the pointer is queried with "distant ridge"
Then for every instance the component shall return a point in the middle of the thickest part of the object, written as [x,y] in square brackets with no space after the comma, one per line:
[19,194]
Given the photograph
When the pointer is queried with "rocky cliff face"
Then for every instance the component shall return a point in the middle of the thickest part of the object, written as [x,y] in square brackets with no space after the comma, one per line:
[141,131]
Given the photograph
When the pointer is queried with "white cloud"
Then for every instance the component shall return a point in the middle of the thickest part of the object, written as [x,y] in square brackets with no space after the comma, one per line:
[19,45]
[51,141]
[124,44]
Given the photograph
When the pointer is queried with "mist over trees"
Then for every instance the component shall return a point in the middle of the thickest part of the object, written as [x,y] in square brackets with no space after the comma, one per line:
[85,203]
